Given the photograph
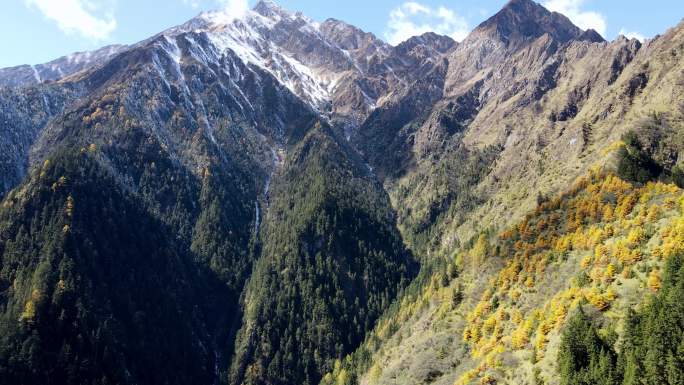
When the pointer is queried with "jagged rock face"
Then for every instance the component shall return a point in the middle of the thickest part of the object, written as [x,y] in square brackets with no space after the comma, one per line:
[491,65]
[429,40]
[341,71]
[23,115]
[521,21]
[532,101]
[518,24]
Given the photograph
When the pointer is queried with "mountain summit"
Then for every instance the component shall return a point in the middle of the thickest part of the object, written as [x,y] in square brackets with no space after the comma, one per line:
[523,20]
[269,8]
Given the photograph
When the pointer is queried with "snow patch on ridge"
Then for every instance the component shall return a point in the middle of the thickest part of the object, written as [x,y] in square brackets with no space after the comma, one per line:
[36,75]
[245,37]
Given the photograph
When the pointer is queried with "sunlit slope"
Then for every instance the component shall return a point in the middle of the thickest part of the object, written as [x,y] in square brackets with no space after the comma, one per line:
[494,311]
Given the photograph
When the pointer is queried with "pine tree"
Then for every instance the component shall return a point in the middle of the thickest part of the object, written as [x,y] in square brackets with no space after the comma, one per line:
[583,357]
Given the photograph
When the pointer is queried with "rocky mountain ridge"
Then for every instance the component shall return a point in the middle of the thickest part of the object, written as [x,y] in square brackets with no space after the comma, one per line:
[27,75]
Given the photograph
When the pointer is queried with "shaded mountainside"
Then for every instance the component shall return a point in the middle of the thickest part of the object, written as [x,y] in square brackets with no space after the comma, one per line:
[191,133]
[301,202]
[332,261]
[93,285]
[23,115]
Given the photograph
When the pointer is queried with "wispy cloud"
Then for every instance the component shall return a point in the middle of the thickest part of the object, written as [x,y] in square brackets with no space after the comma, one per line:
[632,35]
[413,18]
[235,9]
[192,3]
[582,18]
[231,7]
[77,17]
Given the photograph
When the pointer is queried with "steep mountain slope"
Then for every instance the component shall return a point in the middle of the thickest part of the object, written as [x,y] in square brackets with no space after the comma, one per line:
[332,261]
[496,312]
[24,113]
[341,72]
[192,125]
[467,82]
[600,93]
[284,176]
[595,94]
[176,134]
[93,285]
[539,111]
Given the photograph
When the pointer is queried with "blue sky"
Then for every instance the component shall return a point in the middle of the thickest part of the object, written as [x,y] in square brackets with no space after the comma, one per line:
[36,31]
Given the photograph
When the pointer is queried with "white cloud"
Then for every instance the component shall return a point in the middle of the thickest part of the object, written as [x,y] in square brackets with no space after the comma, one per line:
[192,3]
[235,9]
[77,17]
[582,18]
[632,35]
[412,18]
[232,8]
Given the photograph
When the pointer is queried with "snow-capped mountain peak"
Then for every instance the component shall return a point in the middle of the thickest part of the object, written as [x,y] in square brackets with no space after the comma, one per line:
[254,36]
[270,9]
[322,63]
